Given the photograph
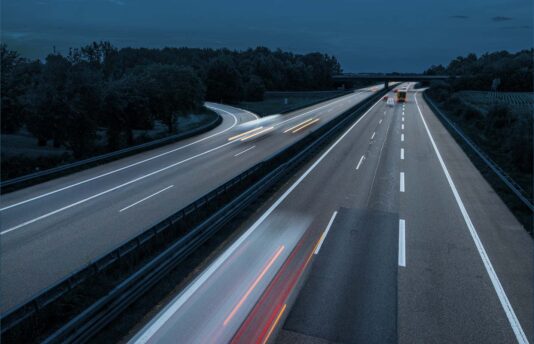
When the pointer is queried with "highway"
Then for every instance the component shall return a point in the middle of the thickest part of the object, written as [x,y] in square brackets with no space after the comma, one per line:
[55,228]
[390,235]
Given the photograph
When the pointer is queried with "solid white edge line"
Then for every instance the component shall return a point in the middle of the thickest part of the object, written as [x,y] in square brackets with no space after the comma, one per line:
[325,233]
[109,190]
[127,166]
[402,182]
[360,162]
[402,243]
[144,199]
[402,154]
[149,330]
[250,113]
[246,150]
[505,303]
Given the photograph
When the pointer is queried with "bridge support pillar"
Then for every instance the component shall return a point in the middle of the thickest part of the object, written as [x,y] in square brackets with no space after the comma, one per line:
[386,84]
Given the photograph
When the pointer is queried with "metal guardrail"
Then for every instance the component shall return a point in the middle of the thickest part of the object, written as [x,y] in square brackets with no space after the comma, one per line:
[505,178]
[33,178]
[255,181]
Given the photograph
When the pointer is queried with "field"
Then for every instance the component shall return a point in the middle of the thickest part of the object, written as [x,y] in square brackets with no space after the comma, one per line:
[520,103]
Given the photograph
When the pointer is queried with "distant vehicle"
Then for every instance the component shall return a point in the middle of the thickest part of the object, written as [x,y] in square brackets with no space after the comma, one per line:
[390,102]
[401,96]
[385,97]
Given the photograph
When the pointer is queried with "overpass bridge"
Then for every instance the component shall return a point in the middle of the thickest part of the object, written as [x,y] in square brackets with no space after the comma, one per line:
[348,78]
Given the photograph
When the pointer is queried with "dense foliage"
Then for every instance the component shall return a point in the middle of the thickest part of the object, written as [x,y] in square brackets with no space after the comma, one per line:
[514,70]
[67,98]
[495,122]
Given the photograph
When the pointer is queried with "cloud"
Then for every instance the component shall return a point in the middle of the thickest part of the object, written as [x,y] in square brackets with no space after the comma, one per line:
[500,18]
[459,17]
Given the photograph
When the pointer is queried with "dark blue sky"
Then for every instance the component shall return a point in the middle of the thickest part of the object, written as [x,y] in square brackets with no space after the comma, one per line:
[365,35]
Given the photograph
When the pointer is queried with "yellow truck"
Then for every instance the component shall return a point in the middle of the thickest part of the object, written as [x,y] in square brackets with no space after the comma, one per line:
[401,96]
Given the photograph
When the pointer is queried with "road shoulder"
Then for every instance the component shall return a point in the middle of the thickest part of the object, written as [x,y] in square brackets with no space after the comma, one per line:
[508,245]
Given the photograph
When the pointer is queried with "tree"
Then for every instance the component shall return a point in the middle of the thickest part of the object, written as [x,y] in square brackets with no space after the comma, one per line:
[64,104]
[47,102]
[84,100]
[125,107]
[223,81]
[172,91]
[435,70]
[254,89]
[18,76]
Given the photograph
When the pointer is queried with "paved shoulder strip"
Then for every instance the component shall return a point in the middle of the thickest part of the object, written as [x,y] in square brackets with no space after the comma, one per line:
[510,314]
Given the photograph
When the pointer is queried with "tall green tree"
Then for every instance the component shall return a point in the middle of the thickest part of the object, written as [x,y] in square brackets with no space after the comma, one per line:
[84,100]
[254,89]
[223,81]
[18,76]
[125,108]
[47,101]
[172,91]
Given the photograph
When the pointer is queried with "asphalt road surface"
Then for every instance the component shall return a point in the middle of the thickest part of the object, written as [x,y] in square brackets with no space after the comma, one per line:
[389,235]
[54,228]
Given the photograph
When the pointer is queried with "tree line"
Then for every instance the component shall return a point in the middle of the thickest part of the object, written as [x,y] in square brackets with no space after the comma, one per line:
[499,128]
[66,98]
[514,70]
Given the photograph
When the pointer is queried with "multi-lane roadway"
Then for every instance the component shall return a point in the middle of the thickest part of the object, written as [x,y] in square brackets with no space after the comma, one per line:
[55,228]
[389,235]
